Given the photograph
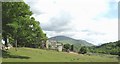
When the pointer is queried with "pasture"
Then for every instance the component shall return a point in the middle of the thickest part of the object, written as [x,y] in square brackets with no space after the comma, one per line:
[39,55]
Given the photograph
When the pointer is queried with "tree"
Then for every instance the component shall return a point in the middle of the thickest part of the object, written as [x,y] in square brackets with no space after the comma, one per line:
[118,44]
[67,47]
[83,50]
[20,26]
[72,48]
[10,12]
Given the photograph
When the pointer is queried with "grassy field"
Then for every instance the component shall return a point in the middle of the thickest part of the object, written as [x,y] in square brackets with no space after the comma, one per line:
[39,55]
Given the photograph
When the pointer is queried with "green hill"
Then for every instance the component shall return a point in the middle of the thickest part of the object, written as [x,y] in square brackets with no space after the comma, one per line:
[64,39]
[108,48]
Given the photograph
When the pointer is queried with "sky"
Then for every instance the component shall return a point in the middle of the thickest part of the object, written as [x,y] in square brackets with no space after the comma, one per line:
[95,21]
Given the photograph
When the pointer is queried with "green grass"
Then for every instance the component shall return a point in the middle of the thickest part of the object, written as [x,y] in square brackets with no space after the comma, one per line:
[39,55]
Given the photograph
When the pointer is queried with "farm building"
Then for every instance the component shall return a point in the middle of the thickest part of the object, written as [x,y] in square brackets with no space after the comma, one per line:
[53,44]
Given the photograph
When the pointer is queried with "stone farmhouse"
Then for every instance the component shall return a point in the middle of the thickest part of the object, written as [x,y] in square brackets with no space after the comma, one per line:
[53,44]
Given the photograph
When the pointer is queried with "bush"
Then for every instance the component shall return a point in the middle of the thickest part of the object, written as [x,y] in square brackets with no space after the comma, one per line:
[67,47]
[119,54]
[83,50]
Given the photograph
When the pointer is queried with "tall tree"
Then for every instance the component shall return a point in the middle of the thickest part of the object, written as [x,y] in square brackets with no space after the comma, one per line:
[10,12]
[19,25]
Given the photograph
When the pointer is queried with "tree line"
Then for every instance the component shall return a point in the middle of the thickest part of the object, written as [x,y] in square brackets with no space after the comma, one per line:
[112,48]
[107,48]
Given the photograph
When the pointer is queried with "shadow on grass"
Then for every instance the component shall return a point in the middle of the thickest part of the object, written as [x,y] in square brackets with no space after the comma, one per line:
[6,54]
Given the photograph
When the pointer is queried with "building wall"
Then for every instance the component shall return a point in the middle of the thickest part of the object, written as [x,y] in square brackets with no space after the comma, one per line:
[54,45]
[60,48]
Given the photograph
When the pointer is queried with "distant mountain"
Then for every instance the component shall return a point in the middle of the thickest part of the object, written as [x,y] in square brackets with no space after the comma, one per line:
[64,39]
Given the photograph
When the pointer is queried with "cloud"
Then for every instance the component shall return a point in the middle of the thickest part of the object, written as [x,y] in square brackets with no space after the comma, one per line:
[58,22]
[92,32]
[91,20]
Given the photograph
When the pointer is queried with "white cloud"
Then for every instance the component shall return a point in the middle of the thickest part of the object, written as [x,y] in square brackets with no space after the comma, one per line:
[84,15]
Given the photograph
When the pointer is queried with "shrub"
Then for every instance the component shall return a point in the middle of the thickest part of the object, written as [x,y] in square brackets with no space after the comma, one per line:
[67,47]
[83,50]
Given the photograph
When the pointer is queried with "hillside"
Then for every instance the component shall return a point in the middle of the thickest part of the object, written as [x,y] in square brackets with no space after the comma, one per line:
[108,48]
[69,40]
[39,55]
